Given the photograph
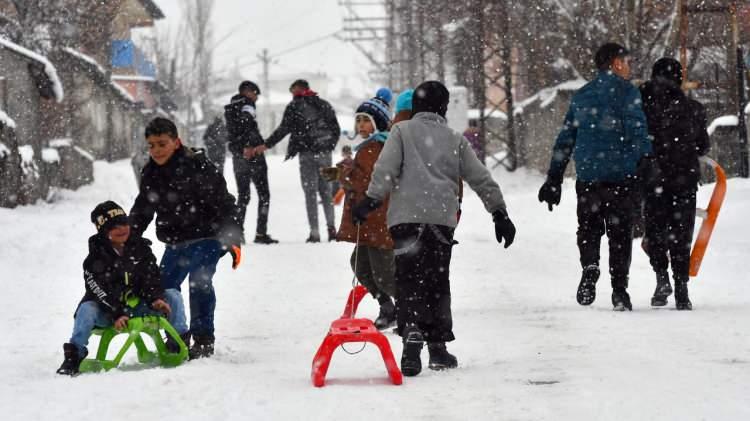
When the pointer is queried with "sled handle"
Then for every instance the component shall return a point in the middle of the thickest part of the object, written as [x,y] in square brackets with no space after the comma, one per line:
[709,216]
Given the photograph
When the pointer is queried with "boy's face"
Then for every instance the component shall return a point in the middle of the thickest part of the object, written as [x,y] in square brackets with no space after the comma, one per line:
[364,126]
[162,147]
[621,67]
[119,234]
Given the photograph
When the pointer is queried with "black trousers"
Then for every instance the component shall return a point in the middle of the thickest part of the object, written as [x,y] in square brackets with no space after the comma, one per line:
[256,172]
[423,295]
[605,207]
[375,270]
[670,220]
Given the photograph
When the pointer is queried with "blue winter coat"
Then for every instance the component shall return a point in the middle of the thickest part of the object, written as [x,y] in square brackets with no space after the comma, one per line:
[605,130]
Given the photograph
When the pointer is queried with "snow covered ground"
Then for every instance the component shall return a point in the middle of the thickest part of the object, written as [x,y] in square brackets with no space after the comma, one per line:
[526,350]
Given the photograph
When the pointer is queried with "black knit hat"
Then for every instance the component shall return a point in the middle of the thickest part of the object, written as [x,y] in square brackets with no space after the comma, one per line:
[432,97]
[607,53]
[108,215]
[249,86]
[668,68]
[299,83]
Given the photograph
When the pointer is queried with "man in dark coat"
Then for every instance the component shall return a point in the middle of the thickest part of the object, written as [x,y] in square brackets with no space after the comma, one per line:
[678,127]
[314,131]
[605,129]
[121,280]
[215,139]
[244,136]
[195,217]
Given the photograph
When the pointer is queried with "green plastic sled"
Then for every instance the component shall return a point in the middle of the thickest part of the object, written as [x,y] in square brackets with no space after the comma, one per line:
[149,325]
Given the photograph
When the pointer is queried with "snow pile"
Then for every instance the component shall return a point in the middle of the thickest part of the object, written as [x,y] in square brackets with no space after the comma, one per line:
[50,155]
[27,154]
[84,153]
[723,121]
[49,69]
[6,121]
[61,142]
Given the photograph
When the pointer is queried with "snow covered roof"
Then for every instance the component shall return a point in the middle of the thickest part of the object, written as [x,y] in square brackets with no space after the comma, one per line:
[723,121]
[49,69]
[547,95]
[100,73]
[5,120]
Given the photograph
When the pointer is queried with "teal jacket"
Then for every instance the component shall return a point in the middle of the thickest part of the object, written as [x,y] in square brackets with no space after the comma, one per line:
[605,131]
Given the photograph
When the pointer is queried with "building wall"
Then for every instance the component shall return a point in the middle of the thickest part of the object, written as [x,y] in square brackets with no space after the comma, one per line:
[21,99]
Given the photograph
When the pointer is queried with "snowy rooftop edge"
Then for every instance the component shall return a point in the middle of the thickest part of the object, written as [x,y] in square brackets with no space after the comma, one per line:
[723,121]
[90,60]
[49,68]
[6,120]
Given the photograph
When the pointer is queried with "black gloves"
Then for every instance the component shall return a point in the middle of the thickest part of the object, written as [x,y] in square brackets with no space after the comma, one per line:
[550,193]
[504,228]
[361,209]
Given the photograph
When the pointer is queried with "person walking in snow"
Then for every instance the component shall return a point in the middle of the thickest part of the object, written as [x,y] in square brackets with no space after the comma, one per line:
[195,218]
[420,167]
[605,129]
[249,167]
[372,258]
[315,132]
[215,139]
[677,125]
[122,281]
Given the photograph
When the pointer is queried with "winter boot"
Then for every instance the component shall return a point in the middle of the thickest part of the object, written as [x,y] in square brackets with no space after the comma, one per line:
[331,233]
[682,301]
[172,345]
[313,238]
[203,347]
[663,289]
[264,239]
[621,300]
[440,358]
[387,316]
[587,287]
[72,361]
[411,361]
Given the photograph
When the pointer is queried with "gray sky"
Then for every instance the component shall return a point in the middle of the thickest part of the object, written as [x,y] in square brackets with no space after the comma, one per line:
[278,25]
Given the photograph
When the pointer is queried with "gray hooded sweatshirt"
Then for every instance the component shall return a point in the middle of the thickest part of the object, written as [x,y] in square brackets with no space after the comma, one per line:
[421,165]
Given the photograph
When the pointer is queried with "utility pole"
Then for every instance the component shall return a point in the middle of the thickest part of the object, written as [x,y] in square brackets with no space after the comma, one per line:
[741,125]
[265,58]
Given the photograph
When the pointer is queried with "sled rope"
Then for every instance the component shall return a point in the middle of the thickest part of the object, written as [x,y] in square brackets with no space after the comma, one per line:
[354,284]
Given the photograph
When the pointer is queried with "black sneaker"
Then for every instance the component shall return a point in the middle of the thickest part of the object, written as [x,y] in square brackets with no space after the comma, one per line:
[70,366]
[662,291]
[440,358]
[411,361]
[203,347]
[264,239]
[387,316]
[331,233]
[586,293]
[682,301]
[172,345]
[313,238]
[621,300]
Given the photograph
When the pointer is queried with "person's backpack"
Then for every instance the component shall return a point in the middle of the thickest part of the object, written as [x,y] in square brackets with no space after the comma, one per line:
[318,132]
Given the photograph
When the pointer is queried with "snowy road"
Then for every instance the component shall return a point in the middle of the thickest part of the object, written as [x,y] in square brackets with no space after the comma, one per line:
[526,350]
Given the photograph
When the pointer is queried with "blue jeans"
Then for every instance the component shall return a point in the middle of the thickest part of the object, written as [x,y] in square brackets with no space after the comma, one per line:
[90,315]
[198,260]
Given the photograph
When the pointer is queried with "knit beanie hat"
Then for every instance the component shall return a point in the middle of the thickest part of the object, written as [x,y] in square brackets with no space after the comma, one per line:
[108,215]
[431,97]
[669,69]
[403,102]
[378,109]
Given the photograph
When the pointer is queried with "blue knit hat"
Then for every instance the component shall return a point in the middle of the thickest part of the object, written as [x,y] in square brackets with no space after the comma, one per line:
[378,108]
[403,102]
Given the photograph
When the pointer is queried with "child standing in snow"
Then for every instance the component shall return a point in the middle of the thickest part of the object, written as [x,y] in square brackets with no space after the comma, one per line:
[420,167]
[372,259]
[122,281]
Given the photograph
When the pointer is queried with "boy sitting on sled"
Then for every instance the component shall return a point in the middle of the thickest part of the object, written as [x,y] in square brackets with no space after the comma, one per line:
[122,281]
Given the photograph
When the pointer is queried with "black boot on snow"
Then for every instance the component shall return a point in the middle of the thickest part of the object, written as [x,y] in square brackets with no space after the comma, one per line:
[587,287]
[663,289]
[440,358]
[411,360]
[331,233]
[173,346]
[621,300]
[682,301]
[72,361]
[313,238]
[387,316]
[203,347]
[265,239]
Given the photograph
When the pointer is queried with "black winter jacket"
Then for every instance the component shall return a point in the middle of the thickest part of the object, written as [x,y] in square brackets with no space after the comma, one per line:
[109,277]
[241,125]
[678,127]
[190,200]
[312,123]
[215,136]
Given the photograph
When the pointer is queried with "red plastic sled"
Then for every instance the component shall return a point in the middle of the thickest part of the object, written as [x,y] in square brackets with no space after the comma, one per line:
[348,329]
[709,216]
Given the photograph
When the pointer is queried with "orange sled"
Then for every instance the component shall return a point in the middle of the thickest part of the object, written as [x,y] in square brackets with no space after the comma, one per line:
[348,329]
[709,216]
